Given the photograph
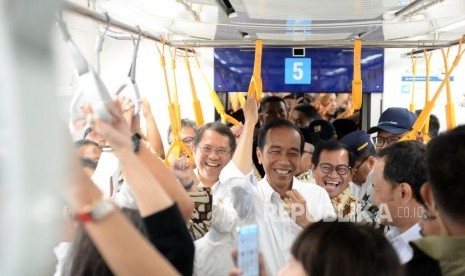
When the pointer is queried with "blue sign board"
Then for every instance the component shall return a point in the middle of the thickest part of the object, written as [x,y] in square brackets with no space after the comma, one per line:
[320,70]
[297,71]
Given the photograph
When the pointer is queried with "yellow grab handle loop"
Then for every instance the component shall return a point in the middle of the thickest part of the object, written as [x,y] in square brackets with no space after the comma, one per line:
[195,101]
[163,65]
[175,150]
[256,85]
[424,115]
[425,129]
[414,73]
[450,108]
[216,100]
[357,79]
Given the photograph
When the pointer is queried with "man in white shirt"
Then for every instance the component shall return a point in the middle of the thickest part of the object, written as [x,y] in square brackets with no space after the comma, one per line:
[397,180]
[279,204]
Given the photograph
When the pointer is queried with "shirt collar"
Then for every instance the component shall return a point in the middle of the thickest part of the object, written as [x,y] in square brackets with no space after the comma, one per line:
[268,191]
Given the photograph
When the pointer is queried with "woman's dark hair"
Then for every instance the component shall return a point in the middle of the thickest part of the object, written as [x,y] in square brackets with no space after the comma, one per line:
[85,260]
[338,248]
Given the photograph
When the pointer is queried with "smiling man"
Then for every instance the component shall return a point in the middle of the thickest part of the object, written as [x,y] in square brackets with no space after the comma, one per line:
[279,204]
[332,170]
[393,124]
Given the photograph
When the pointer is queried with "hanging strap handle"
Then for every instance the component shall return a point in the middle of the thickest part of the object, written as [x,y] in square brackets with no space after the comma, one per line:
[99,43]
[256,85]
[216,100]
[424,115]
[450,107]
[425,129]
[357,79]
[414,74]
[195,101]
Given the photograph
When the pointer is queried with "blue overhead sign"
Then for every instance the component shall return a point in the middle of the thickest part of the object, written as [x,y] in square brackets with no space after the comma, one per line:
[298,71]
[317,70]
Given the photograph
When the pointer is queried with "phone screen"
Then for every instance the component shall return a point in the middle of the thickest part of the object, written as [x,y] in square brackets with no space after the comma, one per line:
[247,254]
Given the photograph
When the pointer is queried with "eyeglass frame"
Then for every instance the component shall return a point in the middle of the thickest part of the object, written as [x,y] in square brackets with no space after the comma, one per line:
[335,168]
[361,163]
[389,140]
[207,150]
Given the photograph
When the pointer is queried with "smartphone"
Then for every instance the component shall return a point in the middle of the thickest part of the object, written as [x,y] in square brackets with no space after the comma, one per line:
[247,250]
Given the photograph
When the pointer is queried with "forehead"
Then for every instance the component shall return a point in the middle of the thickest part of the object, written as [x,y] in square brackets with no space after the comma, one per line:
[336,157]
[378,171]
[297,114]
[385,134]
[213,137]
[284,137]
[187,131]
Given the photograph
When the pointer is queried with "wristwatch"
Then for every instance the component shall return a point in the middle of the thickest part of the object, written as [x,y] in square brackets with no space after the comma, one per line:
[96,211]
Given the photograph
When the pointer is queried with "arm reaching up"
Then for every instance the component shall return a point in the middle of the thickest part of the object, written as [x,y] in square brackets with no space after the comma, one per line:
[243,155]
[153,134]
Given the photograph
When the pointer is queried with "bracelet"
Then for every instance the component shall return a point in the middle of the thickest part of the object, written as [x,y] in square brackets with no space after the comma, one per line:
[135,138]
[189,186]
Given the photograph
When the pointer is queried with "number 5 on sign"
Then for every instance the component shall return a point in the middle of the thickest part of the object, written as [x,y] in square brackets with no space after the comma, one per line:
[298,71]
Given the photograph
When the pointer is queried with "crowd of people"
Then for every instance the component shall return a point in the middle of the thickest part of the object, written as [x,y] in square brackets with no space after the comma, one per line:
[328,198]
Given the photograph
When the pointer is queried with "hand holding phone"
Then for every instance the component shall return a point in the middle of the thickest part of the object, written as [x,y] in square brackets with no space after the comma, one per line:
[247,254]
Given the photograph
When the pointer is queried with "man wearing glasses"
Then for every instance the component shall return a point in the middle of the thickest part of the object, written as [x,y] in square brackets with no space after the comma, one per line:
[332,170]
[393,124]
[361,186]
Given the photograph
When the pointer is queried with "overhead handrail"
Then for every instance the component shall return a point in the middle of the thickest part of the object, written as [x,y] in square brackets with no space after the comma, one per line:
[357,78]
[90,83]
[425,113]
[195,100]
[256,85]
[131,83]
[178,145]
[215,99]
[450,107]
[414,74]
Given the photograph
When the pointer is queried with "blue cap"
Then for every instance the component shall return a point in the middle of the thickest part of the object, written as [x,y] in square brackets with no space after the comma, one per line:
[358,142]
[395,120]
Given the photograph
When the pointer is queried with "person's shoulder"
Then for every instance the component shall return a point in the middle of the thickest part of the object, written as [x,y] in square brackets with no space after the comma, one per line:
[422,264]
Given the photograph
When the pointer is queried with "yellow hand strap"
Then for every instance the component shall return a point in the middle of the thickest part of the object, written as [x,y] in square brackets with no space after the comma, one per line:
[216,100]
[256,85]
[425,129]
[450,108]
[424,115]
[195,101]
[414,73]
[357,79]
[241,98]
[174,114]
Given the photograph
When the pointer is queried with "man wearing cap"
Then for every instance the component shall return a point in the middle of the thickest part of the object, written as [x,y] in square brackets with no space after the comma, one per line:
[393,124]
[360,145]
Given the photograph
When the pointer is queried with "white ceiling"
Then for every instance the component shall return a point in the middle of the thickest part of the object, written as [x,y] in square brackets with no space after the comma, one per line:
[205,22]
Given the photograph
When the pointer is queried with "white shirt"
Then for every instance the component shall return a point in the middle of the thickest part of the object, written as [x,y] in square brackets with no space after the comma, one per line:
[358,191]
[258,203]
[400,241]
[61,252]
[213,251]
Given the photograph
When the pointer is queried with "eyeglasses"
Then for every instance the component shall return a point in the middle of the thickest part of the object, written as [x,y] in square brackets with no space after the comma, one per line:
[427,216]
[340,169]
[220,152]
[361,163]
[380,141]
[187,141]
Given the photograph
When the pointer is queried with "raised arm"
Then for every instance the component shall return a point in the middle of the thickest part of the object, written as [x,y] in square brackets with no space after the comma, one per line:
[149,193]
[243,155]
[153,134]
[114,235]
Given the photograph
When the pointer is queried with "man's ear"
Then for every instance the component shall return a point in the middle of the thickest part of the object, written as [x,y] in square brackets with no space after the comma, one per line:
[406,192]
[259,155]
[420,138]
[260,117]
[372,162]
[427,196]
